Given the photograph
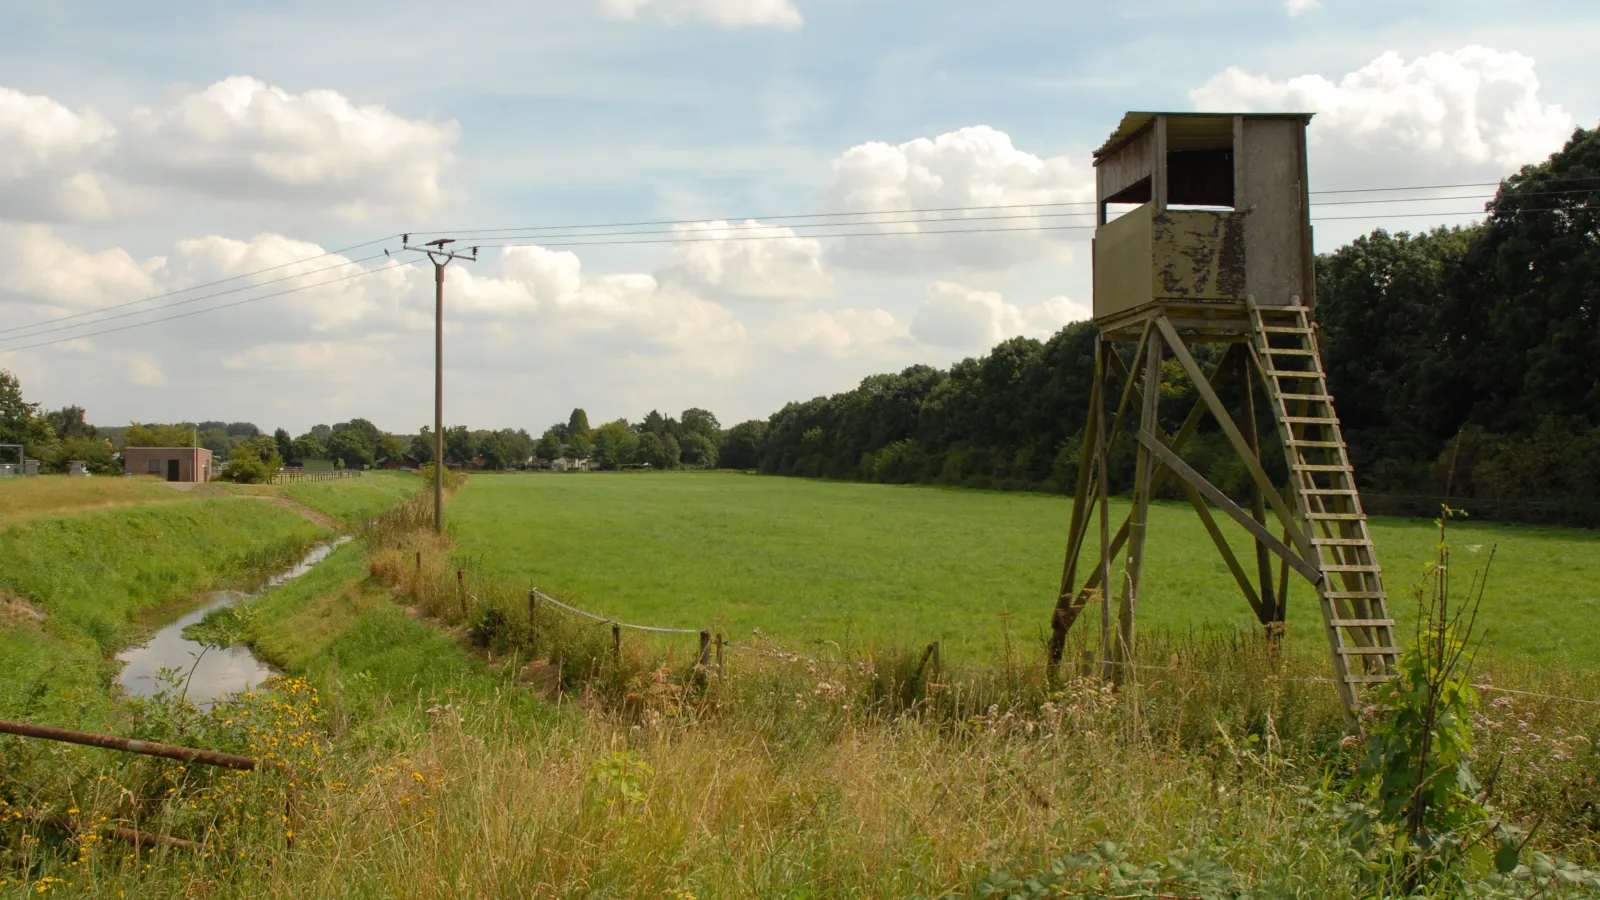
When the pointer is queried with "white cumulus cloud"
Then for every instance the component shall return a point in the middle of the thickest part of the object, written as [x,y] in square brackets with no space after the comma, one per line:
[749,260]
[1296,7]
[243,139]
[41,270]
[238,141]
[842,332]
[976,166]
[961,317]
[47,159]
[1474,112]
[723,13]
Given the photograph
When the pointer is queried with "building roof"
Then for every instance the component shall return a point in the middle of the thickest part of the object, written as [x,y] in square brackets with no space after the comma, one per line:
[165,448]
[1188,130]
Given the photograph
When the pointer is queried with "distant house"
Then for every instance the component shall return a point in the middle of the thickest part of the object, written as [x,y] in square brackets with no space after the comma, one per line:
[570,465]
[171,463]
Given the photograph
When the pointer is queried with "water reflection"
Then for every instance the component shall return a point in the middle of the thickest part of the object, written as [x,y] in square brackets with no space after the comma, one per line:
[217,672]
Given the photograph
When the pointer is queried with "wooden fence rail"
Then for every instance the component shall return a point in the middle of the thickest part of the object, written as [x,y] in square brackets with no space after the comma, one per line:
[298,477]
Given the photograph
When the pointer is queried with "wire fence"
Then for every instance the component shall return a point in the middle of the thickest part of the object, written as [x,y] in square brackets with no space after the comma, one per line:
[300,477]
[932,653]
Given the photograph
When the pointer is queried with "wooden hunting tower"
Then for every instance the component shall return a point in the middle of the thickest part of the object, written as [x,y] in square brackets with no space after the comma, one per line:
[1217,250]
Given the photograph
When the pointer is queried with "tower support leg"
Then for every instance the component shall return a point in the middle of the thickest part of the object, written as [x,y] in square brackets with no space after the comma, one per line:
[1139,520]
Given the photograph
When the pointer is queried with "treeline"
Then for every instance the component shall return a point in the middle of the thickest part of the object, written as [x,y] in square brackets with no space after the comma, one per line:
[1464,361]
[691,441]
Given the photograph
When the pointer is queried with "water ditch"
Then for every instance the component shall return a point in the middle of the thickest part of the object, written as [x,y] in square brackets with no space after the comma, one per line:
[211,673]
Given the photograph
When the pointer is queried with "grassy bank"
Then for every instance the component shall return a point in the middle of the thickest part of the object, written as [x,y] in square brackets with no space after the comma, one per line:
[79,586]
[810,560]
[355,500]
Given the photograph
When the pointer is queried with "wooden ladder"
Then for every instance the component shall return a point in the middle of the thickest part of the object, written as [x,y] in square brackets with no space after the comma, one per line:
[1355,609]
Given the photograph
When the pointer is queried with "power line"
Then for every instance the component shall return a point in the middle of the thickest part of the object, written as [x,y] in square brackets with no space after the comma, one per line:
[583,243]
[196,287]
[945,209]
[142,312]
[213,308]
[701,225]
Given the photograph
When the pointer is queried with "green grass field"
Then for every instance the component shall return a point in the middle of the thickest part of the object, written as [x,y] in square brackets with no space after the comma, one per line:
[811,560]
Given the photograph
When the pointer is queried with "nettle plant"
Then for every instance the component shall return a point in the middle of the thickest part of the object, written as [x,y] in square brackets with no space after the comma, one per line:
[1421,818]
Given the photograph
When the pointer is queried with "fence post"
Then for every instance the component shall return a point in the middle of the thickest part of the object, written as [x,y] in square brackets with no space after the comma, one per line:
[533,607]
[719,654]
[419,559]
[705,649]
[616,642]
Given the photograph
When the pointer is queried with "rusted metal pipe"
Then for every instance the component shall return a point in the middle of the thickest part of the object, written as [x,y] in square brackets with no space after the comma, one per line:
[112,742]
[126,835]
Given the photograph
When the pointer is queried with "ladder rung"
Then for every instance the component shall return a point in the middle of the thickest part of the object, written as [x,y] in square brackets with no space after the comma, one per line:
[1290,351]
[1321,467]
[1295,442]
[1354,595]
[1338,517]
[1308,420]
[1292,373]
[1328,492]
[1347,567]
[1341,542]
[1318,397]
[1285,329]
[1361,623]
[1369,651]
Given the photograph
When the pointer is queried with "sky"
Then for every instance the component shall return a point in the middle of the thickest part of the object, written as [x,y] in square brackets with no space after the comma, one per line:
[195,199]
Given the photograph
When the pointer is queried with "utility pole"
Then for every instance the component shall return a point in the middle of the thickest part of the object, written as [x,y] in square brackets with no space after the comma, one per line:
[441,257]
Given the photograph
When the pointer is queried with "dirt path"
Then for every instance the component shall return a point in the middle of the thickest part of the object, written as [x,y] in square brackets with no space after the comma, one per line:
[314,516]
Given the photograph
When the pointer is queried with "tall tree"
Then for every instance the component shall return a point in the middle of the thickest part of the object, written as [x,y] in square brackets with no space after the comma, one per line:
[578,425]
[614,444]
[700,421]
[68,422]
[285,443]
[460,446]
[15,413]
[744,445]
[549,447]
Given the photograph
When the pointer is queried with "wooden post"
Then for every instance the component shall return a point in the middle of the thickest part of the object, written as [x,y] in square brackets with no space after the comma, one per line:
[533,608]
[1080,519]
[616,643]
[1102,460]
[1270,606]
[705,649]
[419,559]
[1139,520]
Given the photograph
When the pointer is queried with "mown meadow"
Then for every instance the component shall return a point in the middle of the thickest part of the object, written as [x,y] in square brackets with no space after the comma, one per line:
[810,561]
